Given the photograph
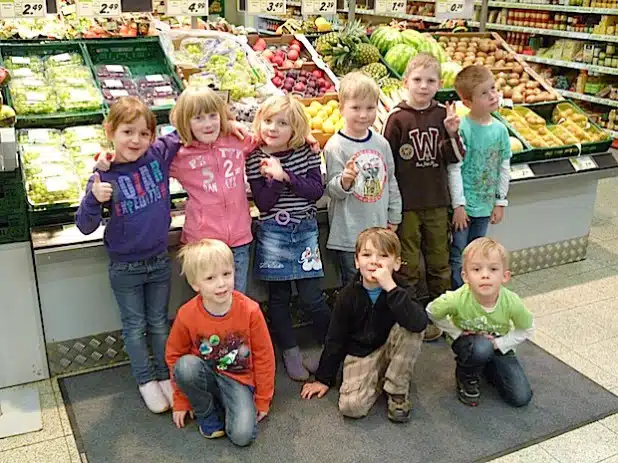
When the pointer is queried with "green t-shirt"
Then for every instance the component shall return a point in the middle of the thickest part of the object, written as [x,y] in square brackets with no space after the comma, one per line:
[468,315]
[487,146]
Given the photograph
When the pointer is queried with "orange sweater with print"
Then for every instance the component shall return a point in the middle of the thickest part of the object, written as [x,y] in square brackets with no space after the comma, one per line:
[236,344]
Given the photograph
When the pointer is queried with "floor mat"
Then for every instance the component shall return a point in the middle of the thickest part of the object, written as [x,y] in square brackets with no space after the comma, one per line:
[111,424]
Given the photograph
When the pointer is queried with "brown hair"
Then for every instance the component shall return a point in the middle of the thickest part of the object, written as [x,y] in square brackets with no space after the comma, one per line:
[357,85]
[384,240]
[469,78]
[127,110]
[293,109]
[202,257]
[423,60]
[194,101]
[485,246]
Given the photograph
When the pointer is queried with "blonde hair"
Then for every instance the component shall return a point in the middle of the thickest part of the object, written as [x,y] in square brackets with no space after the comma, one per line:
[423,60]
[203,257]
[383,239]
[195,101]
[126,110]
[293,111]
[357,85]
[469,78]
[485,246]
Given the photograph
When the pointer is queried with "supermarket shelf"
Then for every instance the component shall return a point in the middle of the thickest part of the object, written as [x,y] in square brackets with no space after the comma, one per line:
[265,32]
[274,18]
[412,17]
[566,8]
[565,34]
[570,64]
[589,98]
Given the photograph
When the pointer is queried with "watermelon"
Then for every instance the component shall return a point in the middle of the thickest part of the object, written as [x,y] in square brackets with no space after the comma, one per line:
[399,55]
[429,45]
[412,37]
[449,72]
[385,37]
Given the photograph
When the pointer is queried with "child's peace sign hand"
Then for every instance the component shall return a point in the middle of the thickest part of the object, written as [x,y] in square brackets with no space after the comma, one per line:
[451,122]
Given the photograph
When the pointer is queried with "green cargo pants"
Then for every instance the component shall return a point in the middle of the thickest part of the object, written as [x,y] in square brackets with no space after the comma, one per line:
[426,229]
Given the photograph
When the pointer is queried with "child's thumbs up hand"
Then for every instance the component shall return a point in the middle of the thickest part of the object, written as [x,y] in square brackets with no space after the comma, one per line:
[102,191]
[349,174]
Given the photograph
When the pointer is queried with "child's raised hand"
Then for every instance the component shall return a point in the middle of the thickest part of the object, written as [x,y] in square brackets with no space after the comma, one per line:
[384,277]
[313,143]
[271,169]
[316,388]
[102,191]
[451,122]
[239,130]
[104,161]
[349,174]
[460,218]
[261,415]
[497,215]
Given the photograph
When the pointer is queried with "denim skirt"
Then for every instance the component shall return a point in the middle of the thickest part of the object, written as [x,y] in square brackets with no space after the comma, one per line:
[287,252]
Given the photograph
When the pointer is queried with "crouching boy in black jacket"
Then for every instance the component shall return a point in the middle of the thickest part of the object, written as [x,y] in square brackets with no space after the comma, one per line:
[376,329]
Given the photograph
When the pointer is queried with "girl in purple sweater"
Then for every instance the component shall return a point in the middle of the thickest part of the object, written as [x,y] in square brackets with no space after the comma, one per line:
[286,181]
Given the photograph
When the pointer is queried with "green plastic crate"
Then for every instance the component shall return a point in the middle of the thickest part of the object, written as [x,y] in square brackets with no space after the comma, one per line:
[44,49]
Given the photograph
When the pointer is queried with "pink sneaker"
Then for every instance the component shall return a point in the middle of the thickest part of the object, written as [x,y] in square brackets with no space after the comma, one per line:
[153,397]
[168,391]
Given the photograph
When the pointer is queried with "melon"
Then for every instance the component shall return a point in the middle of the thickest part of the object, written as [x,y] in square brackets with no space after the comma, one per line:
[449,72]
[399,55]
[385,37]
[516,145]
[430,46]
[412,37]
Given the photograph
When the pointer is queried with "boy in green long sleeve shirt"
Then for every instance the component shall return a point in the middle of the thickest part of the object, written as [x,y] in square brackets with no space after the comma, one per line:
[485,322]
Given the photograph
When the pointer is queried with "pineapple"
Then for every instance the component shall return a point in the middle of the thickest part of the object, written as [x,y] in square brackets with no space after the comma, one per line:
[376,71]
[391,82]
[367,54]
[326,42]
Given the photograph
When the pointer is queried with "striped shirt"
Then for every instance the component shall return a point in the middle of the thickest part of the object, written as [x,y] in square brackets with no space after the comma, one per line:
[298,197]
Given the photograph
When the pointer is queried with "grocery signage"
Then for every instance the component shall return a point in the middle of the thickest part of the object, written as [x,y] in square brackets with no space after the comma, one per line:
[387,7]
[186,7]
[266,6]
[319,7]
[98,8]
[454,9]
[22,9]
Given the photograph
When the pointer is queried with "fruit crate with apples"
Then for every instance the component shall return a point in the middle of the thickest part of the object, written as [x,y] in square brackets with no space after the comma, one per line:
[311,81]
[283,52]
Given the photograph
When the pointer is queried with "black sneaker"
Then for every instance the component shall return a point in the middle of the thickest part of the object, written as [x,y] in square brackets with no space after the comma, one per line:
[468,389]
[398,408]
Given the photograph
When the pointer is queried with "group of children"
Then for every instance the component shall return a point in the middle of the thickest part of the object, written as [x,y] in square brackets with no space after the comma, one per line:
[389,199]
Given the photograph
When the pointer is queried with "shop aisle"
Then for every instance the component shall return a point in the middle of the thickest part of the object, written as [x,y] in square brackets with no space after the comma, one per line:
[576,308]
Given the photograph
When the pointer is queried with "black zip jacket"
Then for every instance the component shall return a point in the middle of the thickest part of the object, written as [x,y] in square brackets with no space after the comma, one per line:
[358,327]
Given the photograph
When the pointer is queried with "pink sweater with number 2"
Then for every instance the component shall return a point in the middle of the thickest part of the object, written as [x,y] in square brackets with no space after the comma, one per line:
[213,175]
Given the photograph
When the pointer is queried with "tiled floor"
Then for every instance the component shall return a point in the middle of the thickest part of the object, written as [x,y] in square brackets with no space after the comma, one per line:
[580,297]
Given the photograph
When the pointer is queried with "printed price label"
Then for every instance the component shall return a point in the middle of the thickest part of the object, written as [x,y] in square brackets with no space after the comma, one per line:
[107,9]
[319,7]
[519,171]
[390,6]
[454,9]
[274,6]
[85,8]
[186,8]
[23,8]
[583,163]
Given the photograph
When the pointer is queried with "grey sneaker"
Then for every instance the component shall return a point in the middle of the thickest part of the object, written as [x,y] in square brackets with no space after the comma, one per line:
[293,361]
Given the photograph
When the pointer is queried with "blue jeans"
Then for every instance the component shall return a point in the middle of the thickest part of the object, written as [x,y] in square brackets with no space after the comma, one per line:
[476,355]
[347,266]
[462,238]
[142,291]
[311,301]
[211,392]
[241,267]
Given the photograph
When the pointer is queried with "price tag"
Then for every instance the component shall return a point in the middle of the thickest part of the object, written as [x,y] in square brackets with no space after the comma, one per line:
[583,163]
[319,7]
[454,9]
[23,8]
[519,171]
[186,8]
[266,6]
[387,7]
[107,9]
[85,8]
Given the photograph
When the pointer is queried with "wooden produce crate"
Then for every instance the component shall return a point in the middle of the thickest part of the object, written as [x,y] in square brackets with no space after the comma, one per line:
[281,41]
[500,45]
[321,136]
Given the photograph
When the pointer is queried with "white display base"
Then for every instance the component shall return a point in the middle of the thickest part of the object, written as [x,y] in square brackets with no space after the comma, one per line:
[20,411]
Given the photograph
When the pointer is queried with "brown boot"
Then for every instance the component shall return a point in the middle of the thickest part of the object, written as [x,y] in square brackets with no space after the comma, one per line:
[432,333]
[398,408]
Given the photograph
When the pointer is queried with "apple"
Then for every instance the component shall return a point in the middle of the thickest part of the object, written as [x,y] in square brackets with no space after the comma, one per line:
[277,82]
[293,54]
[299,87]
[295,43]
[318,74]
[290,80]
[260,45]
[280,53]
[296,47]
[322,82]
[268,54]
[278,61]
[302,79]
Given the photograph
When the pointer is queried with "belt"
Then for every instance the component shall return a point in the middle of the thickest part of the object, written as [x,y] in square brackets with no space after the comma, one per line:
[284,217]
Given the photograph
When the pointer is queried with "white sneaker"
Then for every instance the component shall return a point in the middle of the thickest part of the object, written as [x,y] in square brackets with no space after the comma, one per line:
[153,397]
[168,391]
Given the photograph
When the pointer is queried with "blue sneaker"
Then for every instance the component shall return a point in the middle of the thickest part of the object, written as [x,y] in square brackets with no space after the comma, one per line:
[211,426]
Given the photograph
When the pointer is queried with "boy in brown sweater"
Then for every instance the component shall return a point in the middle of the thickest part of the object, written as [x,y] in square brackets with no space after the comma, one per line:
[424,138]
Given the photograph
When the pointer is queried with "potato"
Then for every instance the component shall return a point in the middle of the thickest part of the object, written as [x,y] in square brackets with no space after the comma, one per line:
[525,77]
[499,54]
[464,39]
[480,62]
[484,46]
[513,82]
[510,65]
[514,75]
[461,49]
[490,60]
[510,58]
[501,81]
[459,55]
[481,54]
[517,98]
[503,75]
[529,92]
[520,88]
[507,91]
[518,69]
[532,84]
[537,91]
